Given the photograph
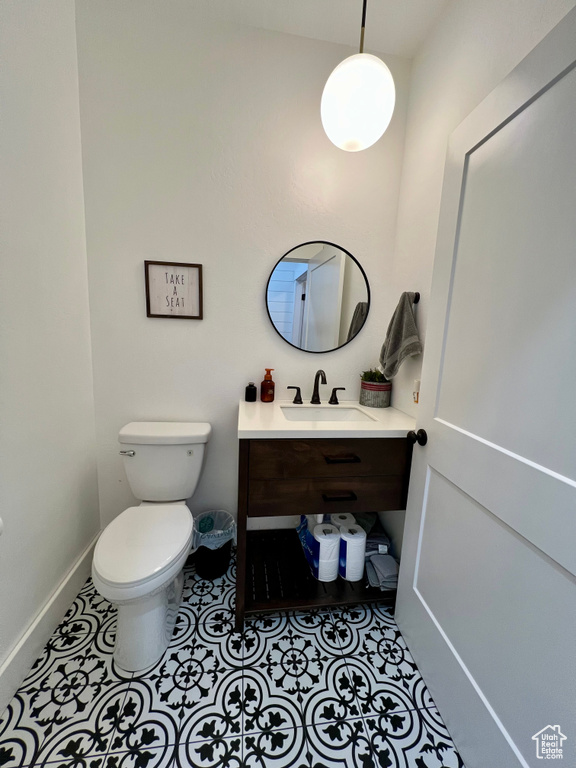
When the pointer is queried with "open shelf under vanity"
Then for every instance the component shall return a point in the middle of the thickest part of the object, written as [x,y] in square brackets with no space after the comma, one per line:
[278,578]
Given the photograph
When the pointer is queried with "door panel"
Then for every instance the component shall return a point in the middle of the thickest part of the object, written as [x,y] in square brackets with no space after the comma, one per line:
[534,502]
[477,597]
[510,324]
[487,585]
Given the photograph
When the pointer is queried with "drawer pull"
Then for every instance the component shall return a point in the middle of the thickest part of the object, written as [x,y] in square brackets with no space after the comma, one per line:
[344,496]
[343,458]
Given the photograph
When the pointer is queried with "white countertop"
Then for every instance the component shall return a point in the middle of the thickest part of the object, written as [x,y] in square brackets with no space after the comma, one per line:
[266,421]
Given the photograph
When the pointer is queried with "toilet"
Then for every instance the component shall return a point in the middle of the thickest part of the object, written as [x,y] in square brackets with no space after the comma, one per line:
[139,558]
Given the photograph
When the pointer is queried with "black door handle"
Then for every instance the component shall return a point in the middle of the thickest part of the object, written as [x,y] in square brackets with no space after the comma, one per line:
[419,437]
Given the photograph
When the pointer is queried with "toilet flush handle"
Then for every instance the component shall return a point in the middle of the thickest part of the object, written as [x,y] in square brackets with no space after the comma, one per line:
[127,453]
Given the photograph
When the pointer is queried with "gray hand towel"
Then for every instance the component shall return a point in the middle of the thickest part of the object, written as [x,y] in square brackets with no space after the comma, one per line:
[371,574]
[376,579]
[377,544]
[402,338]
[385,566]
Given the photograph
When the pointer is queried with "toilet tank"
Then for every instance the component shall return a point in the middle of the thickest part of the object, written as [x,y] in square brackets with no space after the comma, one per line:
[163,459]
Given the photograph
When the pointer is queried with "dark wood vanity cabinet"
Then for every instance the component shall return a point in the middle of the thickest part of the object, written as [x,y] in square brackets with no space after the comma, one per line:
[279,477]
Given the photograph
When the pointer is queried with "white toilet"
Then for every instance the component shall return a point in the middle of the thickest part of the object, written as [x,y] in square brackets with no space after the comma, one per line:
[139,557]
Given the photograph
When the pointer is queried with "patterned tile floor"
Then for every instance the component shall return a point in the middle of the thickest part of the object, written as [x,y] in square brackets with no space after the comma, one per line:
[309,690]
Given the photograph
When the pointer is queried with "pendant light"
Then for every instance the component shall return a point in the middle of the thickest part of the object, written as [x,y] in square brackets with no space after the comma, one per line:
[358,99]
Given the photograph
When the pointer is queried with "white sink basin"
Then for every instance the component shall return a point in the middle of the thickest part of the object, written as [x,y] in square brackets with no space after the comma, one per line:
[326,413]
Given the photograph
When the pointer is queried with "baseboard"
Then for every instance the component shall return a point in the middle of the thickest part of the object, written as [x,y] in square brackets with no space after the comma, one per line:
[18,664]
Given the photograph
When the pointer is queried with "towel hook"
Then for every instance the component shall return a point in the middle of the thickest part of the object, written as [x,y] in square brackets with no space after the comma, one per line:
[416,297]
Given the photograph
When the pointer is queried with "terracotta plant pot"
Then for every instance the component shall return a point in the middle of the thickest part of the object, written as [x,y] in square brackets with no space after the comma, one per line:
[375,394]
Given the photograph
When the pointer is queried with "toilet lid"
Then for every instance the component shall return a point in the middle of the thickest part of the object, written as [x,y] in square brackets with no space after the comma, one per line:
[142,542]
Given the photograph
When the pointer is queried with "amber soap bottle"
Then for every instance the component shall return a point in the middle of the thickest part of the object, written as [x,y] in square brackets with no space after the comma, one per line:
[267,387]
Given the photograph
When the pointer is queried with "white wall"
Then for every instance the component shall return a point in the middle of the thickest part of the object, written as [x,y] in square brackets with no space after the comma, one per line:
[203,143]
[472,48]
[48,494]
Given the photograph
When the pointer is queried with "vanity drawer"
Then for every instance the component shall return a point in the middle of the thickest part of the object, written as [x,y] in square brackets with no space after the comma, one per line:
[312,496]
[327,458]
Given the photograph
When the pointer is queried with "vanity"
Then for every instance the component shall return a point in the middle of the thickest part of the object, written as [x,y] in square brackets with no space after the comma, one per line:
[304,459]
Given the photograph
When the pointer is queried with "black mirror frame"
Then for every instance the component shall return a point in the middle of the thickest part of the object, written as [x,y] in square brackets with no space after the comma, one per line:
[355,260]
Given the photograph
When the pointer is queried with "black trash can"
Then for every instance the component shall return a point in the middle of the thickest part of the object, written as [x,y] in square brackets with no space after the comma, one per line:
[214,532]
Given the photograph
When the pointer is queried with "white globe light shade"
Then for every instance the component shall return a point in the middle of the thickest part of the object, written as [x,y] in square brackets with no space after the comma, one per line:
[358,102]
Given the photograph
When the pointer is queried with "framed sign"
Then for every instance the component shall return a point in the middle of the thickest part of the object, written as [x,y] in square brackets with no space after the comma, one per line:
[173,289]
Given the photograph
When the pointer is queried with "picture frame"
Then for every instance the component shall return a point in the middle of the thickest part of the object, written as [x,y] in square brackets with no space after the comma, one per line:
[173,289]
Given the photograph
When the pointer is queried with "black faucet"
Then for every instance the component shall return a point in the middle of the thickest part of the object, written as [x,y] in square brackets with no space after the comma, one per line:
[320,376]
[334,397]
[297,397]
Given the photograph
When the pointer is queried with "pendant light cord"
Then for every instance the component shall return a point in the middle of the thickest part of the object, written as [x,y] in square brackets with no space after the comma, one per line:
[363,27]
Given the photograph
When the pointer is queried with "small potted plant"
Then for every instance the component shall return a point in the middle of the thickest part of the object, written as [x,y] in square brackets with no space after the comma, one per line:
[375,389]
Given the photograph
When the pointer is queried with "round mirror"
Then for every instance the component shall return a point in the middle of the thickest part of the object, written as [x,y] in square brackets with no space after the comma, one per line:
[318,297]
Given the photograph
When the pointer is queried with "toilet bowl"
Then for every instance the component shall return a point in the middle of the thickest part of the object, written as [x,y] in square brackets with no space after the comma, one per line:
[137,566]
[139,558]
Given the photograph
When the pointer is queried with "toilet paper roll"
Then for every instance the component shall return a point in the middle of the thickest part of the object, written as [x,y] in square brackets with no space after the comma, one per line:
[352,552]
[328,538]
[342,518]
[314,520]
[311,521]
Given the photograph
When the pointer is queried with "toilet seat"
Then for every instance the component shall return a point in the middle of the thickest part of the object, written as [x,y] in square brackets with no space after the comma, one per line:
[141,550]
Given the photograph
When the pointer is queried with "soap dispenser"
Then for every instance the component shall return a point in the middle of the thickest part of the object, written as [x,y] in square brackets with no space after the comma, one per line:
[267,387]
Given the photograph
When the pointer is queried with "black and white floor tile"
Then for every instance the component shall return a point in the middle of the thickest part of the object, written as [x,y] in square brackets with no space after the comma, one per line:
[302,690]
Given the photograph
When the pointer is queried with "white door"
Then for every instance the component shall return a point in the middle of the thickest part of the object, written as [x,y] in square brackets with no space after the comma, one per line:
[487,589]
[324,299]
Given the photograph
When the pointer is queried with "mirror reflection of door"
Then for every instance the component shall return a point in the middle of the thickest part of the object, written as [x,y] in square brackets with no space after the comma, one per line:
[318,297]
[324,299]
